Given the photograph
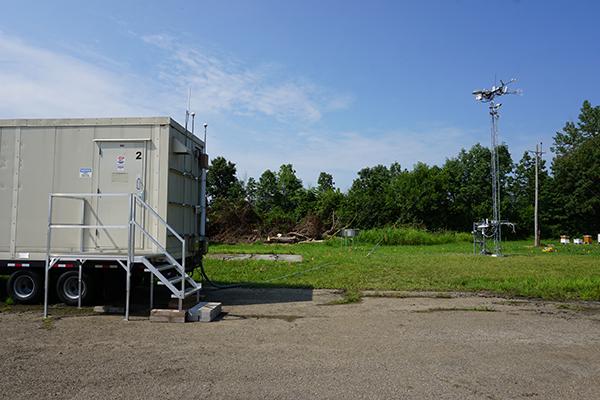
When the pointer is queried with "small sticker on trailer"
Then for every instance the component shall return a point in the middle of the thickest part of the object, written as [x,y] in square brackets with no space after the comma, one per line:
[120,163]
[85,172]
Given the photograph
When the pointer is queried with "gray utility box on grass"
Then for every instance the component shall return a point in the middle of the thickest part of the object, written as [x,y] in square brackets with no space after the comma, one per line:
[155,158]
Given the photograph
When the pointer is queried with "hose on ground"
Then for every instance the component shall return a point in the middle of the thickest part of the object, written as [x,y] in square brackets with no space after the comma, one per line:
[215,286]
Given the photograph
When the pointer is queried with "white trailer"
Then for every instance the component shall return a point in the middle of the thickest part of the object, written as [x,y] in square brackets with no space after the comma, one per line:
[92,194]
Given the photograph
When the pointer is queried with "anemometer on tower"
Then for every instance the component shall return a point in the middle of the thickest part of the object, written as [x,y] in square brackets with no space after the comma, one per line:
[492,229]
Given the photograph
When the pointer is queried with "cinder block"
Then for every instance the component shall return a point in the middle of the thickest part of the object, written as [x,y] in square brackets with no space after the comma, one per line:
[162,315]
[158,318]
[204,312]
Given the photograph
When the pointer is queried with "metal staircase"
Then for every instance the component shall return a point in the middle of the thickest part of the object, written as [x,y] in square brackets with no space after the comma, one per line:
[168,269]
[172,275]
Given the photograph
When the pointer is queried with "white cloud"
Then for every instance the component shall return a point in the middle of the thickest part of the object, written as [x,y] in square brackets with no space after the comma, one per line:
[38,82]
[221,84]
[35,82]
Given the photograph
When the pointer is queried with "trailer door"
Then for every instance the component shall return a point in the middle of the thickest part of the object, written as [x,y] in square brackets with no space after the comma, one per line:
[121,169]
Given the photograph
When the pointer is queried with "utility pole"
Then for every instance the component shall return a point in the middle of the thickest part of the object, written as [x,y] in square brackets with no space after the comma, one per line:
[538,153]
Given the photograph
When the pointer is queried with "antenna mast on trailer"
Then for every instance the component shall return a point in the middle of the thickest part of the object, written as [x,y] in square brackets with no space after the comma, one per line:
[187,110]
[493,229]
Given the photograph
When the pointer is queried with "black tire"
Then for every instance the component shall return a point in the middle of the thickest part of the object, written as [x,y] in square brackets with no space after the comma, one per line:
[24,287]
[67,288]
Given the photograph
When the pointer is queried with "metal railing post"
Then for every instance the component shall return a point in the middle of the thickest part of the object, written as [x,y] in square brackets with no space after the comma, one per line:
[182,274]
[82,223]
[129,256]
[79,284]
[48,243]
[151,290]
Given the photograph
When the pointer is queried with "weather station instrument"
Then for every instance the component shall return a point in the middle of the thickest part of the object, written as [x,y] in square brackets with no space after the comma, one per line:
[491,229]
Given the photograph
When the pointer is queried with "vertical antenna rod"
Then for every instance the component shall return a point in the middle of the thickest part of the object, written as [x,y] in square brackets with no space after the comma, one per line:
[187,110]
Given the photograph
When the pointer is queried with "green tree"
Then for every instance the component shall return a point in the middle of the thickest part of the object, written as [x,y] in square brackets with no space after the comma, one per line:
[251,190]
[221,180]
[267,193]
[521,191]
[367,203]
[573,135]
[329,200]
[469,185]
[576,169]
[290,188]
[229,213]
[420,196]
[325,182]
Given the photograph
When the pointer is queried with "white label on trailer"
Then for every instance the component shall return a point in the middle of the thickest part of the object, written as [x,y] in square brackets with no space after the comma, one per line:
[120,163]
[85,172]
[23,255]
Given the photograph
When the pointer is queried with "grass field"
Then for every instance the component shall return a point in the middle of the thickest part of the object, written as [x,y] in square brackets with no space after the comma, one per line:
[573,272]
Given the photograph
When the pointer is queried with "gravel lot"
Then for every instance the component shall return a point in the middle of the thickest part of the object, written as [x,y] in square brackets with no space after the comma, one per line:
[290,344]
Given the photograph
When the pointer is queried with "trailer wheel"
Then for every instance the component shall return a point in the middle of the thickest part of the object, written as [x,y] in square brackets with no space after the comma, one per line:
[67,288]
[24,286]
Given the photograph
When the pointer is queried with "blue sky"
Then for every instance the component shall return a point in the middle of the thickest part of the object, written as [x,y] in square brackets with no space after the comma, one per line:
[325,85]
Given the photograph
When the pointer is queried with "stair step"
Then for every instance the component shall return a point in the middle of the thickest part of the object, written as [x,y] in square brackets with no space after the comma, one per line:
[166,267]
[189,291]
[163,267]
[172,281]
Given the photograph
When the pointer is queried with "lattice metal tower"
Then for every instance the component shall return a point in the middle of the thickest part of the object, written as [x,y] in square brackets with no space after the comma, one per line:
[493,229]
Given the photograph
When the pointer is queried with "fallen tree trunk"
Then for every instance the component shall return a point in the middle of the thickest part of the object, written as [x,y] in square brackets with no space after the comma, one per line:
[299,236]
[282,239]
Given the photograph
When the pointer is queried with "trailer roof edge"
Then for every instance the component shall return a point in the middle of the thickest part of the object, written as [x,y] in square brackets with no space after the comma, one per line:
[32,122]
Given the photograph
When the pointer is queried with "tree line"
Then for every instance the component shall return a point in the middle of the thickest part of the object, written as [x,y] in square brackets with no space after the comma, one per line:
[447,197]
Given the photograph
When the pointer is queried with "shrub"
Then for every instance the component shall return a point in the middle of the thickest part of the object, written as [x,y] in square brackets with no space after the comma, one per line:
[410,236]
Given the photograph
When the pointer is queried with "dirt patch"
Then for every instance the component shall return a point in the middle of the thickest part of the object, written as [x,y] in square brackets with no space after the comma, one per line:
[57,310]
[278,343]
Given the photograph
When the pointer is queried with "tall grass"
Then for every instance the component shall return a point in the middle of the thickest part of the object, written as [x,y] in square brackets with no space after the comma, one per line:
[410,236]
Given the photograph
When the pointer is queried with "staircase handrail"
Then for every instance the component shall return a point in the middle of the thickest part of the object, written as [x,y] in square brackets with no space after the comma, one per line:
[135,199]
